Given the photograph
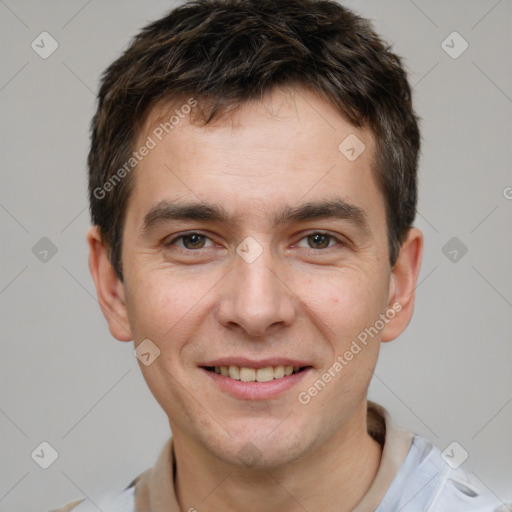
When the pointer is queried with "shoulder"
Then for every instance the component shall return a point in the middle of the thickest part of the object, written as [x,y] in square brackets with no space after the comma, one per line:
[121,501]
[429,481]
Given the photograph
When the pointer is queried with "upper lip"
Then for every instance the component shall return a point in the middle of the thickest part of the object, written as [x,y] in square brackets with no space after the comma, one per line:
[251,363]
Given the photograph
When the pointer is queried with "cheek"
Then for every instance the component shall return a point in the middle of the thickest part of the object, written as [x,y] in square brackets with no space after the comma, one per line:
[158,304]
[167,306]
[346,300]
[347,306]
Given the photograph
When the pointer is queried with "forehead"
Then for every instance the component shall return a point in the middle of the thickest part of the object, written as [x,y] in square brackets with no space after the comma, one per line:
[289,146]
[294,104]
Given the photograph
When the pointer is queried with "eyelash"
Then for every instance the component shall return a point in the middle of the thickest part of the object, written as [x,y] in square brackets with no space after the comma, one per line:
[184,235]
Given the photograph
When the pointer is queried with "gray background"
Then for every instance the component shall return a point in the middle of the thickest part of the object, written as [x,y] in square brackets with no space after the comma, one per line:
[64,380]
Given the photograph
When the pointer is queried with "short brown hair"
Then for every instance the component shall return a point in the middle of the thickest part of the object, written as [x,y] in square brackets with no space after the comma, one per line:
[227,52]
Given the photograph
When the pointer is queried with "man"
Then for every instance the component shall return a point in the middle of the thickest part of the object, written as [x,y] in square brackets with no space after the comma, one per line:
[253,191]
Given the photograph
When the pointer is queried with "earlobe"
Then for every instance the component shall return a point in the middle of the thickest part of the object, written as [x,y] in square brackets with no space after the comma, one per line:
[109,288]
[403,282]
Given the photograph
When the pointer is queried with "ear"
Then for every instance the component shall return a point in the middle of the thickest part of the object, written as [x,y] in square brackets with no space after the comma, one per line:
[402,285]
[109,287]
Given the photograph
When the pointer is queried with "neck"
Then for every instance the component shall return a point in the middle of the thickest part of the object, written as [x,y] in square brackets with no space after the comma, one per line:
[335,477]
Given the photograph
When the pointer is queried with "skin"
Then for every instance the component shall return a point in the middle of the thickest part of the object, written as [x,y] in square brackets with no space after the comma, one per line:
[298,299]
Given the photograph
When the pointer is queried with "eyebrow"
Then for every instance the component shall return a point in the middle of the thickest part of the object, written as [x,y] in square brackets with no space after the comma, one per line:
[167,211]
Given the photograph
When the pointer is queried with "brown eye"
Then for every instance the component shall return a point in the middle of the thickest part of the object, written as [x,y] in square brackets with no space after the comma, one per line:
[193,241]
[319,240]
[190,241]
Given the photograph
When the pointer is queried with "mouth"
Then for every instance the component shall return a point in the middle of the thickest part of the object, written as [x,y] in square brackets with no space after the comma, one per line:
[251,374]
[250,380]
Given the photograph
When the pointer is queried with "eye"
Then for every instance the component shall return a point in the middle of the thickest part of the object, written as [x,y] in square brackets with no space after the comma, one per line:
[189,241]
[319,240]
[194,240]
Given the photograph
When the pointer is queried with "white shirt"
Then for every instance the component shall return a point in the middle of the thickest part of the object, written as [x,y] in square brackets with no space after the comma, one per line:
[412,477]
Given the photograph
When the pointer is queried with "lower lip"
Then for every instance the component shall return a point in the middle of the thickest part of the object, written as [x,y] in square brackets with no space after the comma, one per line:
[256,390]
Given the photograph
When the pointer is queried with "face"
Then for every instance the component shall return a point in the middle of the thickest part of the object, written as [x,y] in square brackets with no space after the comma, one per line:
[255,243]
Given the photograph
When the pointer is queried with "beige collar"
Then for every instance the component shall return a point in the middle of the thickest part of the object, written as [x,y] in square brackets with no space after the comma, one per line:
[396,442]
[154,489]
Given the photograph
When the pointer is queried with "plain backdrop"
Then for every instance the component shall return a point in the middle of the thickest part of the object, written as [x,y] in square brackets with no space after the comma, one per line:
[66,381]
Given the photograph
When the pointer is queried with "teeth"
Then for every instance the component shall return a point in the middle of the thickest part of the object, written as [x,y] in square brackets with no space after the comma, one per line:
[265,374]
[252,375]
[234,372]
[278,372]
[247,374]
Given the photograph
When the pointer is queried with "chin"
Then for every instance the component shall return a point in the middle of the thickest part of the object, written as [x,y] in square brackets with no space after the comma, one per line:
[261,445]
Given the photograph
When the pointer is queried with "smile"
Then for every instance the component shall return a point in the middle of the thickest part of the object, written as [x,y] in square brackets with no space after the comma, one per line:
[247,374]
[260,381]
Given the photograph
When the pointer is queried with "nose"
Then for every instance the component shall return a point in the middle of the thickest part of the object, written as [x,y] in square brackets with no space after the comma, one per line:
[255,297]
